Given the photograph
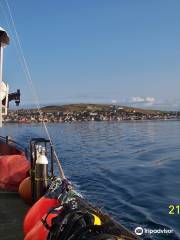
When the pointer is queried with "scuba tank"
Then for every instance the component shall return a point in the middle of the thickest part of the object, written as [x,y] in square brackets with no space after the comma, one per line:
[41,173]
[42,198]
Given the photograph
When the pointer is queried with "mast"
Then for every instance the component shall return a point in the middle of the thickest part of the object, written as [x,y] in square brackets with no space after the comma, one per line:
[4,40]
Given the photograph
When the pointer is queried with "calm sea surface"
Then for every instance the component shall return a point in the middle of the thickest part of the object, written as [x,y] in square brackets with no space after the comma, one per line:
[129,169]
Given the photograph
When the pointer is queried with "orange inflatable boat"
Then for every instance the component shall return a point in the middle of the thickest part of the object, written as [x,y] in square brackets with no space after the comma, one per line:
[14,167]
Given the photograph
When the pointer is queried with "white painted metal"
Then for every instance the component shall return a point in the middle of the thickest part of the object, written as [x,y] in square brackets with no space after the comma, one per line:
[4,40]
[1,67]
[6,103]
[3,90]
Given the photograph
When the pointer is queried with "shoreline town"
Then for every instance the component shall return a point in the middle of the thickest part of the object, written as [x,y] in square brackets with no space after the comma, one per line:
[87,112]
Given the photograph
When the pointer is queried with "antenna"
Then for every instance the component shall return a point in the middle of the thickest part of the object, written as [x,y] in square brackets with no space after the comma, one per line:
[4,40]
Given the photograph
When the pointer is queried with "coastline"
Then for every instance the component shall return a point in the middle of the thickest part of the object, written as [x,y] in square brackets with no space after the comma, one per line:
[87,113]
[103,121]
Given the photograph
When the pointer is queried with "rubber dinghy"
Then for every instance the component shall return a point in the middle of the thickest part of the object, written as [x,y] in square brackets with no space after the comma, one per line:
[14,166]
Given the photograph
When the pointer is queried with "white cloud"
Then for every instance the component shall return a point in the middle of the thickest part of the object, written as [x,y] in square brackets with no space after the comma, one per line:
[137,100]
[114,101]
[151,100]
[143,100]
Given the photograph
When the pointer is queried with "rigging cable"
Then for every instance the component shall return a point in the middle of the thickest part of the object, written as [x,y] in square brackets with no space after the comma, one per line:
[30,83]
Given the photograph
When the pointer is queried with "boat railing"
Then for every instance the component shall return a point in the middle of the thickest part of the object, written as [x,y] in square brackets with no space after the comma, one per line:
[13,143]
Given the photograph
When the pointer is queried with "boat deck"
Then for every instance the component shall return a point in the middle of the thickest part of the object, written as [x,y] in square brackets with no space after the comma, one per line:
[12,212]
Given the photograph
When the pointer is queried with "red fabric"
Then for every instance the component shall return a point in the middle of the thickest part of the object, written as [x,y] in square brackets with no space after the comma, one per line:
[13,169]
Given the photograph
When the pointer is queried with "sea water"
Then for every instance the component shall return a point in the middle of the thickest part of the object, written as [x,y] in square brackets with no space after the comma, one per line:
[129,169]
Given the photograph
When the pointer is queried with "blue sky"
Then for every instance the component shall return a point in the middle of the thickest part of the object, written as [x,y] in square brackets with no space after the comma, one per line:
[125,51]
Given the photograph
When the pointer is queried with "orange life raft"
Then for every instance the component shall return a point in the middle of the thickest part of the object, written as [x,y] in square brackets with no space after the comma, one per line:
[14,167]
[37,211]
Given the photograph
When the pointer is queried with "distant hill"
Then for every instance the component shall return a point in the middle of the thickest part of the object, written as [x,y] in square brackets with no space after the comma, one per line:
[96,107]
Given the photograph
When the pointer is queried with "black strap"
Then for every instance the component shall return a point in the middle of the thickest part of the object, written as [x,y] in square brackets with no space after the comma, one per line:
[44,221]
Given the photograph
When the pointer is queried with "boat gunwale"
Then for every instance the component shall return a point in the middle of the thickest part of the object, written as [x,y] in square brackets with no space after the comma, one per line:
[13,144]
